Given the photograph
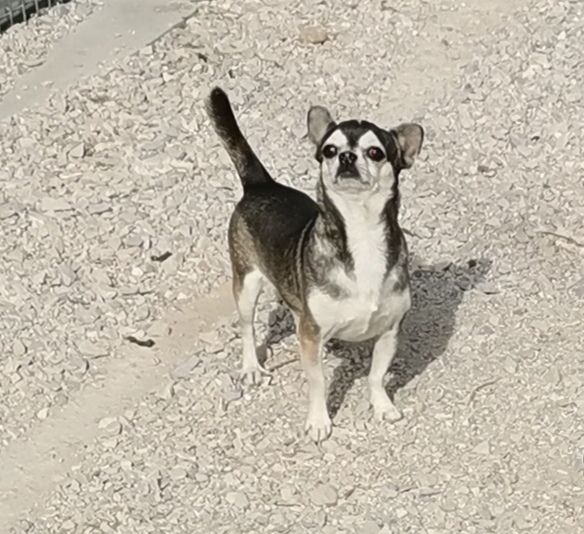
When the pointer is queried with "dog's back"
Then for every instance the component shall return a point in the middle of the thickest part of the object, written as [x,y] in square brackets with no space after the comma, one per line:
[268,222]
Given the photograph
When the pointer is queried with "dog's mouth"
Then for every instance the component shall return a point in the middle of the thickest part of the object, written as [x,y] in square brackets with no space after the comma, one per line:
[348,174]
[350,182]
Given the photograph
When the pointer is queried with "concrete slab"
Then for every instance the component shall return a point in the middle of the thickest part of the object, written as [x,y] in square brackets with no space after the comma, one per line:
[117,29]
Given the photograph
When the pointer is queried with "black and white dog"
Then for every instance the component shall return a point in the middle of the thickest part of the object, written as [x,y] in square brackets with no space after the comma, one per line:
[340,263]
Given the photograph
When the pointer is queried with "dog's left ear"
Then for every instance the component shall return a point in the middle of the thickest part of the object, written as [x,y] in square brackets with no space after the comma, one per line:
[409,137]
[319,122]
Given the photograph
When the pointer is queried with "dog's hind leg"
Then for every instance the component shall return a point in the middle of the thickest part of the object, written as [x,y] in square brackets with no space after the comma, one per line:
[246,290]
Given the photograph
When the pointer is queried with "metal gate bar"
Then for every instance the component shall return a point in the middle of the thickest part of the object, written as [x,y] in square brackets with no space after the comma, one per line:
[16,11]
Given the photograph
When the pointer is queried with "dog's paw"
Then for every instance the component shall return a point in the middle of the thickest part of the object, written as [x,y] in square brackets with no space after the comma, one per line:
[318,426]
[254,375]
[385,410]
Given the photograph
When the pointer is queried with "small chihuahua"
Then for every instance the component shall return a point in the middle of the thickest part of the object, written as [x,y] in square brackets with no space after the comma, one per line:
[340,263]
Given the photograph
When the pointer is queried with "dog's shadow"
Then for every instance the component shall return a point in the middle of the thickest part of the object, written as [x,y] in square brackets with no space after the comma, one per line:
[437,291]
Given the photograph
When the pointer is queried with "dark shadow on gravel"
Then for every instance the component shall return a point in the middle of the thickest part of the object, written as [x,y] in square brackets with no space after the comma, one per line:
[437,291]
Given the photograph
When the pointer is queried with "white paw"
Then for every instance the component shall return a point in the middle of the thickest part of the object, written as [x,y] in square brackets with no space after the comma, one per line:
[318,425]
[384,409]
[253,375]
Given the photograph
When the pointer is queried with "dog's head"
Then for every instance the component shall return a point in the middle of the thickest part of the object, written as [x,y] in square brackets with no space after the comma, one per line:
[358,156]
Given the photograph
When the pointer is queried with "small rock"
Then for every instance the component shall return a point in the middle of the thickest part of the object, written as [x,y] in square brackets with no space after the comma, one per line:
[110,426]
[183,369]
[15,378]
[553,376]
[19,348]
[464,117]
[7,210]
[159,329]
[43,413]
[369,527]
[400,513]
[133,240]
[577,289]
[68,275]
[522,523]
[141,313]
[313,35]
[483,448]
[78,151]
[39,278]
[391,492]
[27,142]
[315,522]
[106,421]
[54,204]
[99,208]
[237,498]
[230,390]
[170,266]
[324,495]
[485,512]
[448,504]
[110,443]
[93,349]
[126,465]
[288,495]
[487,288]
[178,473]
[166,392]
[486,170]
[212,341]
[510,365]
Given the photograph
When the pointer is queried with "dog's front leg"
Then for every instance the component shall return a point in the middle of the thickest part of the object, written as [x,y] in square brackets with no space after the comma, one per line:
[318,422]
[383,354]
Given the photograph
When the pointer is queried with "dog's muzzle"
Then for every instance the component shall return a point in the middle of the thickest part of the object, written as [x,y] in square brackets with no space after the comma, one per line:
[347,169]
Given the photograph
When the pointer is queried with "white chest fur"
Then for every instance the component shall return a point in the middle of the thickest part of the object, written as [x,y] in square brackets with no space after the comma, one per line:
[368,305]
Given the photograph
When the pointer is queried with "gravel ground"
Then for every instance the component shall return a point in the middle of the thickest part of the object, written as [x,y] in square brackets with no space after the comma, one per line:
[24,46]
[114,204]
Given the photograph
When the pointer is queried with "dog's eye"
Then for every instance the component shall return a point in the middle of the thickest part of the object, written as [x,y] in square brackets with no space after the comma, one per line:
[375,153]
[329,151]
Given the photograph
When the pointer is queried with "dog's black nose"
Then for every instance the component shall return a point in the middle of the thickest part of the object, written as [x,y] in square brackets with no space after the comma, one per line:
[347,159]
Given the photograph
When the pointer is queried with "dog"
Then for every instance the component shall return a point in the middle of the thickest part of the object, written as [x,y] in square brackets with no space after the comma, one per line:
[341,263]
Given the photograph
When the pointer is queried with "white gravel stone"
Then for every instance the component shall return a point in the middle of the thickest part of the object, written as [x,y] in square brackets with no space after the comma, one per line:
[313,35]
[183,369]
[93,349]
[237,499]
[55,204]
[324,495]
[18,348]
[43,413]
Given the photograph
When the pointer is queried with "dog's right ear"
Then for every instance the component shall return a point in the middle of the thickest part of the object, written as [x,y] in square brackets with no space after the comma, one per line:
[319,123]
[409,137]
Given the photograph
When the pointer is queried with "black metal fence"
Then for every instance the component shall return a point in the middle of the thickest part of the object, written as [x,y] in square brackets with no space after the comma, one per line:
[15,11]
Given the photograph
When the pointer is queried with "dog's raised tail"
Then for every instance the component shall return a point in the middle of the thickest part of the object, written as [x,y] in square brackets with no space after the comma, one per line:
[247,164]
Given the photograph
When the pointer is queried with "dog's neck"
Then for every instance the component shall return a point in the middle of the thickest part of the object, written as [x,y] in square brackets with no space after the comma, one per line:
[376,206]
[338,211]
